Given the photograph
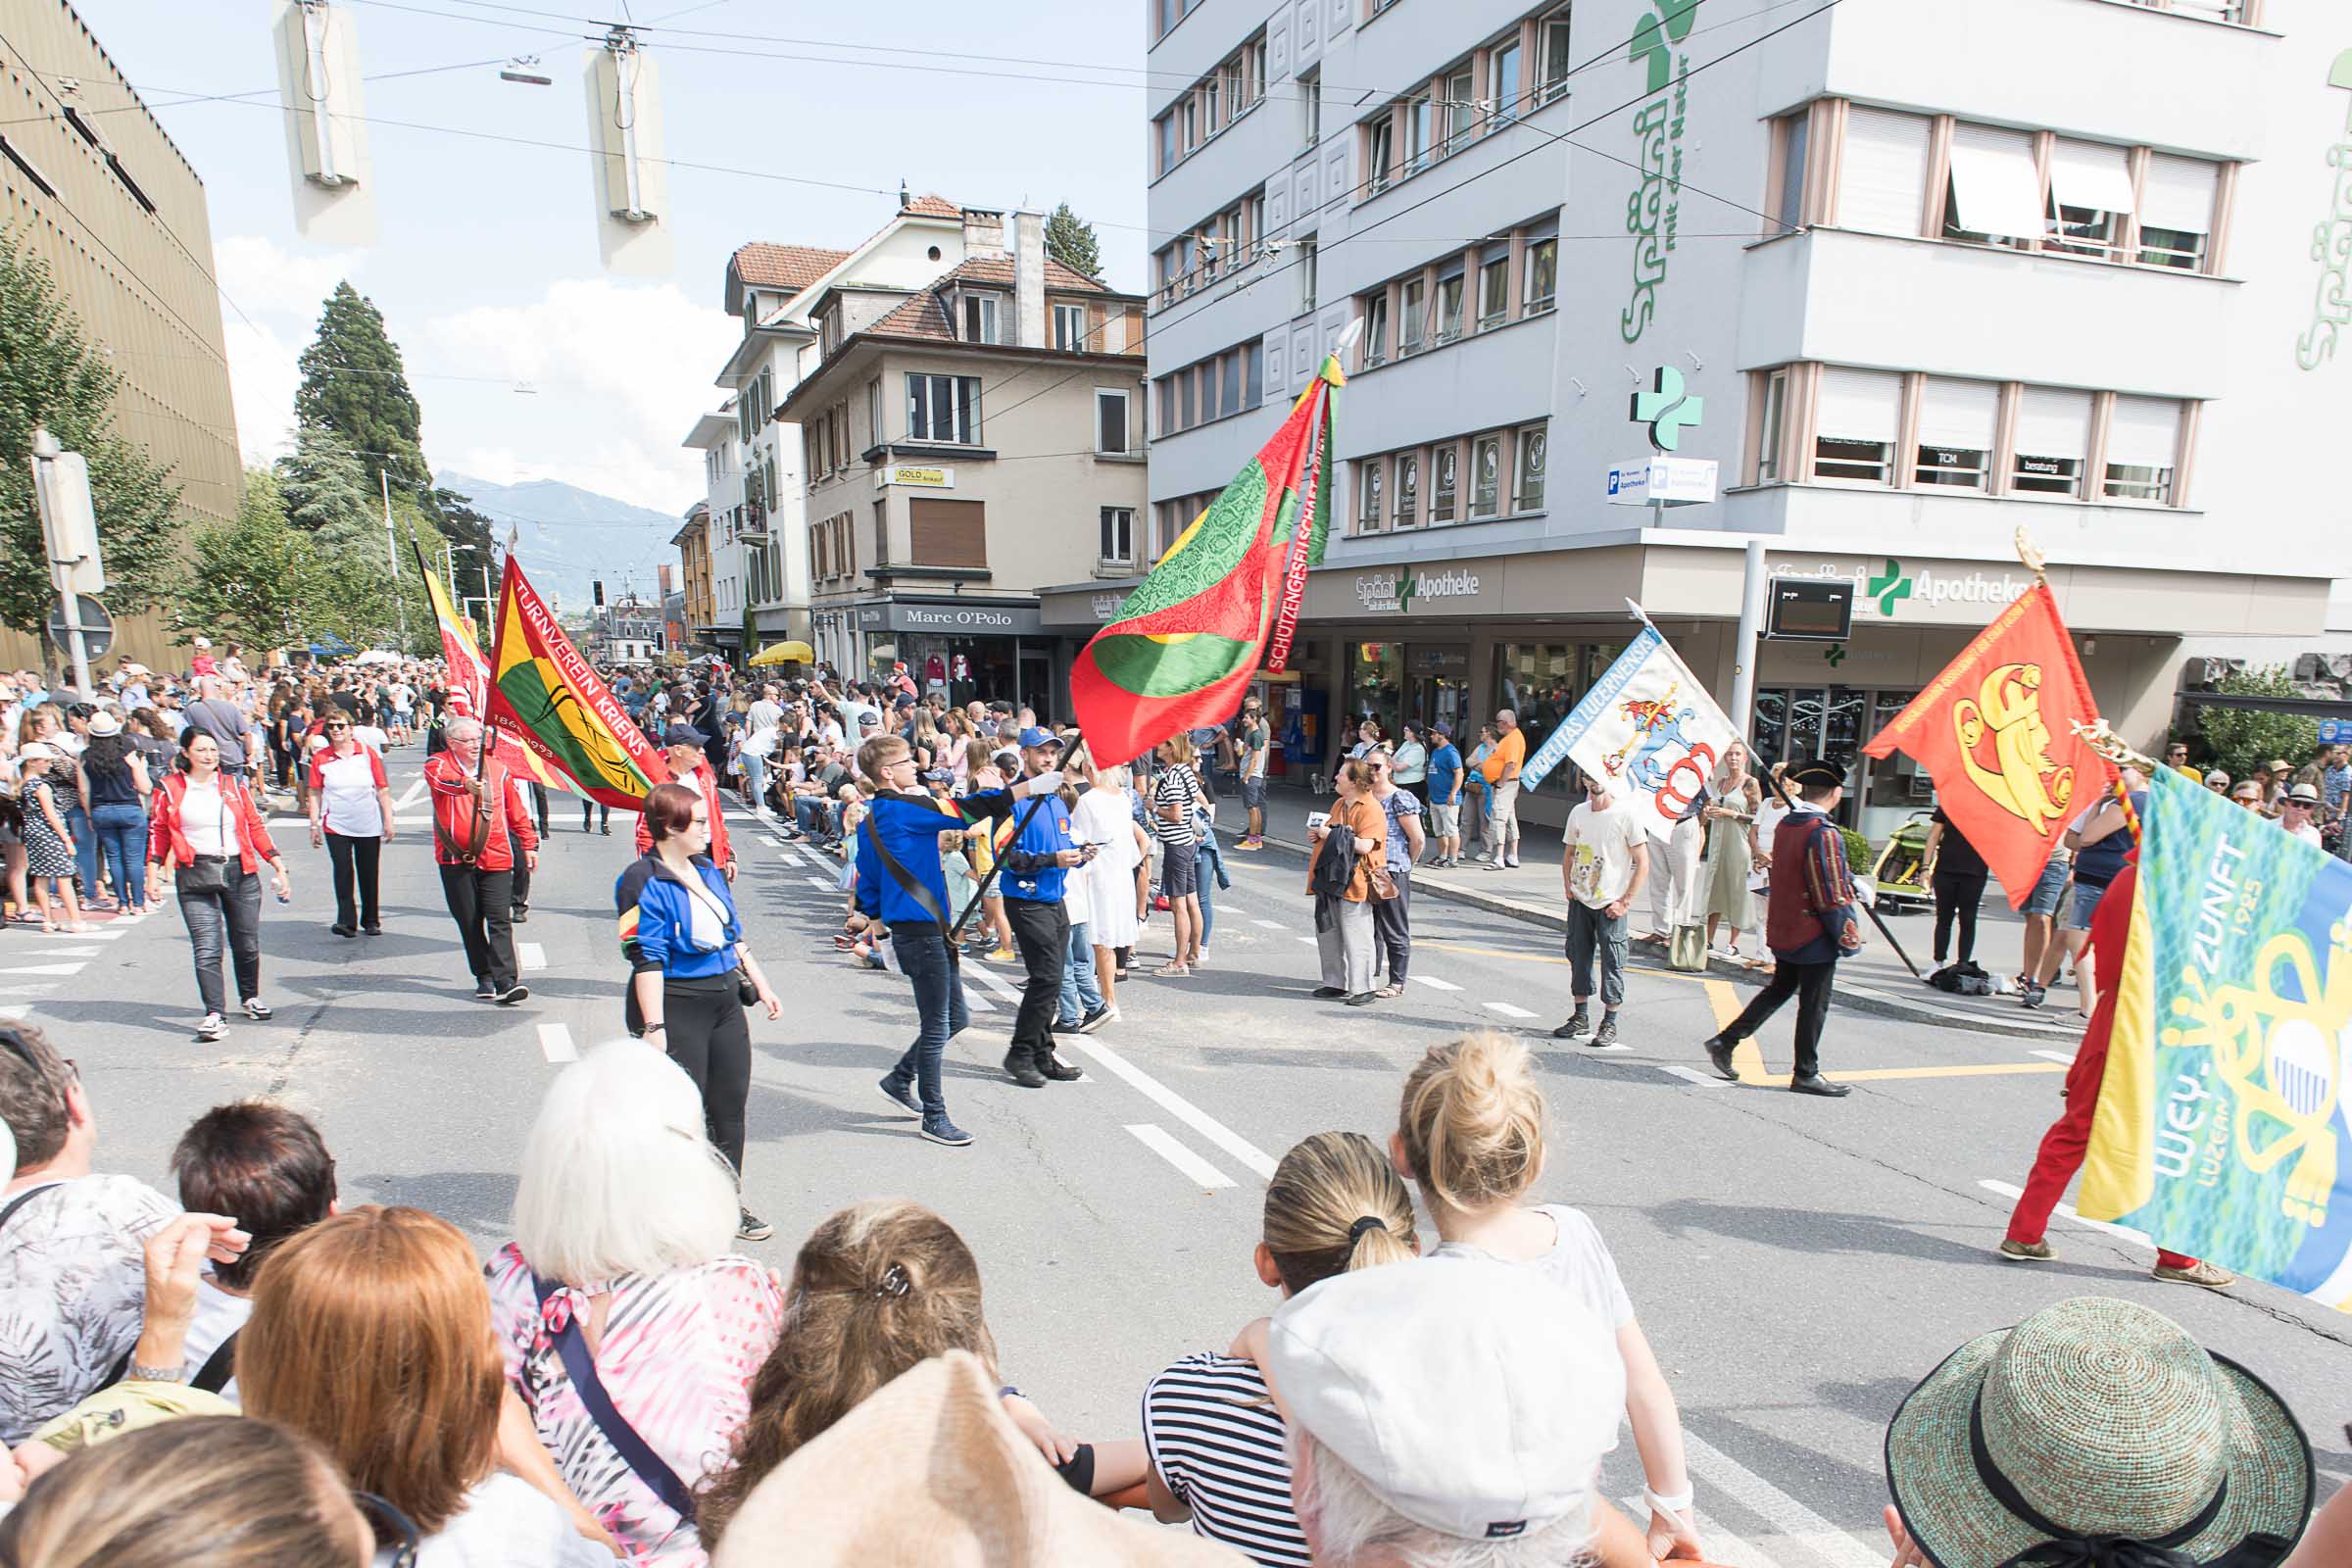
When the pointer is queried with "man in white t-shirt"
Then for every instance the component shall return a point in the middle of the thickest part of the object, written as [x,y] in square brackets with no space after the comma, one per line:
[2299,813]
[1605,862]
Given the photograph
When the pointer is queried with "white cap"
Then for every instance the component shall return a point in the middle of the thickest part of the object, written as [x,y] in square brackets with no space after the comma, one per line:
[1476,1397]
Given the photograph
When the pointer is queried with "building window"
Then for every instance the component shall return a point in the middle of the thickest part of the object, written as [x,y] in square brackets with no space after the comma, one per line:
[1494,285]
[1462,122]
[2052,442]
[1379,143]
[980,319]
[1956,425]
[1419,139]
[1186,417]
[1310,107]
[1788,203]
[1449,322]
[2176,211]
[2144,435]
[1854,429]
[1769,429]
[2091,198]
[1410,317]
[1486,476]
[1994,195]
[1883,172]
[1229,382]
[1069,327]
[881,533]
[1367,486]
[1408,489]
[944,409]
[1167,405]
[1253,374]
[1375,328]
[1118,536]
[1503,74]
[946,533]
[1444,464]
[1168,153]
[1111,421]
[1527,485]
[1306,274]
[1542,272]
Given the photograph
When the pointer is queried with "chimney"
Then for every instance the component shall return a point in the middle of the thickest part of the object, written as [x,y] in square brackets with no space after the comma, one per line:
[983,232]
[1029,277]
[904,199]
[663,572]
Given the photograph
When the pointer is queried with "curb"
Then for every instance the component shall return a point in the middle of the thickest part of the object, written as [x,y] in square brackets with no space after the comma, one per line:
[1858,998]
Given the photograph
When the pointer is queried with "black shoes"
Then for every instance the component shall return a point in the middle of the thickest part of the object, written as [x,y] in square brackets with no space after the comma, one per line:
[1060,1071]
[1818,1085]
[482,989]
[1096,1018]
[343,930]
[1023,1070]
[900,1094]
[371,930]
[517,992]
[1328,991]
[522,914]
[940,1130]
[1574,1029]
[1362,999]
[1719,1054]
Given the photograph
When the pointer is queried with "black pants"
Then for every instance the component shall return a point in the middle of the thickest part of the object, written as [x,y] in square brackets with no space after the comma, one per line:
[482,902]
[592,809]
[356,860]
[225,923]
[704,1031]
[522,873]
[1957,895]
[1392,928]
[1809,983]
[1043,932]
[539,806]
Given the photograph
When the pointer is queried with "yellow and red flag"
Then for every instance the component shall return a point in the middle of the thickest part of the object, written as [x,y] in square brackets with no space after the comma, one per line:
[469,673]
[1996,733]
[541,693]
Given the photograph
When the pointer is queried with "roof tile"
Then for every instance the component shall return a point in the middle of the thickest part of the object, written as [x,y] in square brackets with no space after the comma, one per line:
[933,206]
[763,265]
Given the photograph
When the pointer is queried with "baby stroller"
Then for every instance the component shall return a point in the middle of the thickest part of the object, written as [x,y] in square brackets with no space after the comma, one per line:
[1901,871]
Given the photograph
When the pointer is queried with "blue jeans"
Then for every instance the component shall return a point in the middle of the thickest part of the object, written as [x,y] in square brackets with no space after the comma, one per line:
[813,815]
[120,832]
[754,774]
[1079,992]
[85,848]
[940,1010]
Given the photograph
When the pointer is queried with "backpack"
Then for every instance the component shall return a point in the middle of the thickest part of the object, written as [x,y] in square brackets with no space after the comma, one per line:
[1967,979]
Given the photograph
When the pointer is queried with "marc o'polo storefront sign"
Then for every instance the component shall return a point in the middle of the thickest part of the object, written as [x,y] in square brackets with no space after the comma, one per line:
[951,618]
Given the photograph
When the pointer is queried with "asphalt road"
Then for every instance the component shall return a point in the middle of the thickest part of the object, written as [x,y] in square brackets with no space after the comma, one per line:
[1797,1263]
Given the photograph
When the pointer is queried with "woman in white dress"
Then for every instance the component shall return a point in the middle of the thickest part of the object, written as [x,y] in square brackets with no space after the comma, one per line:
[1106,816]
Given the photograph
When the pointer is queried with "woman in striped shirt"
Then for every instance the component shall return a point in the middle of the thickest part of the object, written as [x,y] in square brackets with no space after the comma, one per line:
[1174,795]
[1211,1434]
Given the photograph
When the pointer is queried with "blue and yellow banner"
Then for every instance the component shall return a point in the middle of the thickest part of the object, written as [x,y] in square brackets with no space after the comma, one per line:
[2220,1128]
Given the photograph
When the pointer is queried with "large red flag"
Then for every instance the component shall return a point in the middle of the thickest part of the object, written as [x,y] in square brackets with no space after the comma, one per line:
[1996,733]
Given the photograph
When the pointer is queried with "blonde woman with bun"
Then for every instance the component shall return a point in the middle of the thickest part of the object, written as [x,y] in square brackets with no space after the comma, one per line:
[1470,1134]
[1213,1439]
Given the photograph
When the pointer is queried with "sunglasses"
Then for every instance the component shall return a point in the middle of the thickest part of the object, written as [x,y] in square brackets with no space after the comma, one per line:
[398,1525]
[333,728]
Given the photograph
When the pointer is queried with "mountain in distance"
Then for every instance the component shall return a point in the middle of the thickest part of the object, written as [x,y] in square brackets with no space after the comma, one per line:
[569,538]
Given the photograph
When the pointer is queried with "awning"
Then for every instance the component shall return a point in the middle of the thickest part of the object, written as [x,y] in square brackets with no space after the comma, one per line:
[779,652]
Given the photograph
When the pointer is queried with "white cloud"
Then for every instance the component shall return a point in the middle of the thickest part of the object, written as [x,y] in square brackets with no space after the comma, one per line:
[279,292]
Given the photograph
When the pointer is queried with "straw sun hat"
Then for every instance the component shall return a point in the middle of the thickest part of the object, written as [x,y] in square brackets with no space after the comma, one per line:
[2098,1432]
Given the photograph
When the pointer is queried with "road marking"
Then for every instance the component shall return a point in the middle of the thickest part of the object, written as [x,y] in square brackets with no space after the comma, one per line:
[773,841]
[1183,1110]
[2066,1056]
[1271,925]
[1203,1173]
[43,968]
[1723,1548]
[1507,1010]
[1309,941]
[1791,1520]
[825,884]
[410,795]
[79,936]
[2120,1233]
[531,955]
[15,1009]
[68,952]
[555,1043]
[976,998]
[1433,983]
[1704,1080]
[998,983]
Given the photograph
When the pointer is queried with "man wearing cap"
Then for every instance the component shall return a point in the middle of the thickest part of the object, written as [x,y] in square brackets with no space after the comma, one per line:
[1810,923]
[1256,741]
[682,748]
[1444,795]
[1033,866]
[478,826]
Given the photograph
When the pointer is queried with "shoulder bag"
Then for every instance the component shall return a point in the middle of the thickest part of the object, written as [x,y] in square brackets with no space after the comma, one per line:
[905,879]
[206,873]
[634,1452]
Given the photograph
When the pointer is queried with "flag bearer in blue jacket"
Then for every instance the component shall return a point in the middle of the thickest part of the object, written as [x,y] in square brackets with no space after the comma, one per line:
[901,883]
[1031,871]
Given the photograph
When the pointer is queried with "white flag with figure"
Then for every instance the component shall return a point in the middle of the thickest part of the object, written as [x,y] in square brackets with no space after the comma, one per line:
[1648,727]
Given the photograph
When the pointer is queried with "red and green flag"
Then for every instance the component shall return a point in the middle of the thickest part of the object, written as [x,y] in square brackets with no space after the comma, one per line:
[543,692]
[469,673]
[1223,601]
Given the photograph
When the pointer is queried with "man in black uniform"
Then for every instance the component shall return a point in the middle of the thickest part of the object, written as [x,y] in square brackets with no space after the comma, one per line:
[1810,923]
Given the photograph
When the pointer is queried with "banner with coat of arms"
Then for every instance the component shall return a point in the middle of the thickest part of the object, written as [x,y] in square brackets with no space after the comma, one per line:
[1648,727]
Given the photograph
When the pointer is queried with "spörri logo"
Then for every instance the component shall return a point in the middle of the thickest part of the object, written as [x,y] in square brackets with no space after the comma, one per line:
[1668,409]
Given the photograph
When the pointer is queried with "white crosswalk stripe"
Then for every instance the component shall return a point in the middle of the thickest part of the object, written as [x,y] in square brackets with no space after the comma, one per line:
[1433,983]
[1156,1140]
[2118,1232]
[1507,1010]
[531,955]
[825,883]
[555,1043]
[1271,925]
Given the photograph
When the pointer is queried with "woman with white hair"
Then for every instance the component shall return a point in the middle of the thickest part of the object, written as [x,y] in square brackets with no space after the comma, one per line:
[618,1306]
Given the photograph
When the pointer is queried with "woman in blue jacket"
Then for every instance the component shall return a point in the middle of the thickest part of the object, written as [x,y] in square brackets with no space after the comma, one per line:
[689,965]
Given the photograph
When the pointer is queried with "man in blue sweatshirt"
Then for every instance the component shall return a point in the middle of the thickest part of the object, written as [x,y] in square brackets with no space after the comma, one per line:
[900,882]
[1033,866]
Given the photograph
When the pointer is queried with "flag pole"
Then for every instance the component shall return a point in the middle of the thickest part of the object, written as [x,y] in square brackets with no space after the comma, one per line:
[996,862]
[1869,908]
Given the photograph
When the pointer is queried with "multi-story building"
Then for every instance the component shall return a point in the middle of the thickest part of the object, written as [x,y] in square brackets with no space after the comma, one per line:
[2047,264]
[90,185]
[696,617]
[969,442]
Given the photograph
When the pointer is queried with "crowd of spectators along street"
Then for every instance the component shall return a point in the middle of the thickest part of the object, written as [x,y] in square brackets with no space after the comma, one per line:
[249,1373]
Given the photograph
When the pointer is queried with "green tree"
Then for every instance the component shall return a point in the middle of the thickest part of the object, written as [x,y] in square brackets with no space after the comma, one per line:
[469,535]
[329,498]
[51,374]
[353,383]
[2243,739]
[1070,240]
[256,578]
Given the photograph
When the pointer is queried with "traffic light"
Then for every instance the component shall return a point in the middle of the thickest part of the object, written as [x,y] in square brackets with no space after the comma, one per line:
[600,593]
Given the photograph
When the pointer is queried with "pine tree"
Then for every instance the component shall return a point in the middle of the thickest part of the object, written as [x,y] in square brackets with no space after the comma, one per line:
[51,374]
[328,495]
[1070,240]
[256,578]
[470,536]
[353,384]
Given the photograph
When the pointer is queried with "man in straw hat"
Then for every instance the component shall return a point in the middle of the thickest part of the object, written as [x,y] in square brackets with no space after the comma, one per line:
[929,1472]
[2096,1434]
[1810,923]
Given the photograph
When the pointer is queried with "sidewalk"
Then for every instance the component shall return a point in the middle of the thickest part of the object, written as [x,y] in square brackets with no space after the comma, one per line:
[1873,980]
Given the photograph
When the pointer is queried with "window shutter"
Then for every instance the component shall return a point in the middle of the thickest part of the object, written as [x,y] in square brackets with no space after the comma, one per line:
[1858,405]
[1883,183]
[1994,181]
[2143,432]
[2051,423]
[2180,194]
[949,533]
[2092,175]
[1959,414]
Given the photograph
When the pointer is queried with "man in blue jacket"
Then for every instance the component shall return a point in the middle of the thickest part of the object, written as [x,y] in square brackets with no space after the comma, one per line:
[1033,866]
[900,882]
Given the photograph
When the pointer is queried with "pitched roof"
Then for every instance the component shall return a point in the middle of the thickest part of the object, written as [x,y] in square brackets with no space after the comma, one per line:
[763,265]
[923,316]
[997,270]
[933,206]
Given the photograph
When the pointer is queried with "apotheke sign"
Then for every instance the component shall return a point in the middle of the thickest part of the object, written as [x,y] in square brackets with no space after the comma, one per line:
[1395,592]
[1880,590]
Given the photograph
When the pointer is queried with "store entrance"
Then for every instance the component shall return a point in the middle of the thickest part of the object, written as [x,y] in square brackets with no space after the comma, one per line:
[1437,684]
[1799,723]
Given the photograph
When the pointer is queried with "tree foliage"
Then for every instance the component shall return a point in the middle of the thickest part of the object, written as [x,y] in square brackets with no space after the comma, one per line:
[257,578]
[471,538]
[1070,240]
[2244,740]
[51,374]
[353,383]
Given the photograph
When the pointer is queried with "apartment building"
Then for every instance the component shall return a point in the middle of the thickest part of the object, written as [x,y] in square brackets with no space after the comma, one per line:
[90,185]
[694,615]
[2075,267]
[970,444]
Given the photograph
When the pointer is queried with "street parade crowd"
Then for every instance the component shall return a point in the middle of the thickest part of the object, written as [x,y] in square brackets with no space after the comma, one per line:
[243,1372]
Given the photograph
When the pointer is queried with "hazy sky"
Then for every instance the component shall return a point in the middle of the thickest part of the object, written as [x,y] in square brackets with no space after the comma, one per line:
[486,266]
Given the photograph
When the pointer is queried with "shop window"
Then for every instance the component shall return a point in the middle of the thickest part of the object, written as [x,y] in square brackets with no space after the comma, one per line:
[1956,425]
[2176,211]
[1883,172]
[1486,476]
[2144,435]
[1444,464]
[1408,490]
[1494,285]
[1543,272]
[1527,483]
[1770,429]
[1855,428]
[1995,187]
[2091,198]
[1367,487]
[2053,442]
[946,533]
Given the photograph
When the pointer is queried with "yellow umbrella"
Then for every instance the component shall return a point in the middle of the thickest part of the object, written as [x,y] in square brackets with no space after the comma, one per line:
[779,652]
